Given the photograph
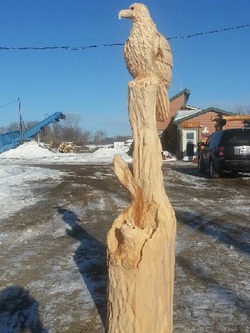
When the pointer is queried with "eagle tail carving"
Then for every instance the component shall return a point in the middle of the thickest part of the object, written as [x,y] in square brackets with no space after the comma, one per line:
[162,103]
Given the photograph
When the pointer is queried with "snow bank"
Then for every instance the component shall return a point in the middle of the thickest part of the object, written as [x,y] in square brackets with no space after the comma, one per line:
[33,152]
[28,150]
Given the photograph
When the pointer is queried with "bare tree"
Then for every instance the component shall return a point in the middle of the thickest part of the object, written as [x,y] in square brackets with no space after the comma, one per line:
[241,109]
[68,130]
[86,136]
[13,126]
[72,120]
[99,137]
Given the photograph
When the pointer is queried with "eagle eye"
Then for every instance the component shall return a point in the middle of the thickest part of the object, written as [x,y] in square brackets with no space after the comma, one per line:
[132,8]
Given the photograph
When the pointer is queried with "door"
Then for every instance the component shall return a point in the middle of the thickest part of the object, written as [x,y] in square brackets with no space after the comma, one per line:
[189,144]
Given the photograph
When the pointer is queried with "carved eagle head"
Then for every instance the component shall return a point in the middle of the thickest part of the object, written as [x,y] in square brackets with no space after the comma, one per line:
[135,12]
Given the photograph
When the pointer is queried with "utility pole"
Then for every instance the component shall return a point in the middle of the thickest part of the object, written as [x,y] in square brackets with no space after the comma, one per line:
[20,120]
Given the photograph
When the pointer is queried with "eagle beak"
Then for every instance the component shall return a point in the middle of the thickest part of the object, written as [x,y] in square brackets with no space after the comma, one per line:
[124,13]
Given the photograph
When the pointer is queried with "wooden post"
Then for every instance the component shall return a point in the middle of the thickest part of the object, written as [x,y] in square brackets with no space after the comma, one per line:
[141,241]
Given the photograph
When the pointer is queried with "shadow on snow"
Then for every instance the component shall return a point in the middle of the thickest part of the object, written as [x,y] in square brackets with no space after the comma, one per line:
[19,312]
[90,257]
[232,235]
[220,287]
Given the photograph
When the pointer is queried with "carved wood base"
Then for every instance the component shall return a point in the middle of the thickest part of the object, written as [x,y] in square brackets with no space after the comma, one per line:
[141,241]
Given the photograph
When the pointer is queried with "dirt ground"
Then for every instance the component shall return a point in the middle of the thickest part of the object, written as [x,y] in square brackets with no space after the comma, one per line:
[53,254]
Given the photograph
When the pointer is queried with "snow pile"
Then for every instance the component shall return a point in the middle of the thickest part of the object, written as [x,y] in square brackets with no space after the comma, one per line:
[107,154]
[35,153]
[168,157]
[27,150]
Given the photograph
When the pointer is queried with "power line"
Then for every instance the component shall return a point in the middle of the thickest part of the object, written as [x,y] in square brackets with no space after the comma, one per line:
[82,48]
[14,101]
[70,48]
[210,32]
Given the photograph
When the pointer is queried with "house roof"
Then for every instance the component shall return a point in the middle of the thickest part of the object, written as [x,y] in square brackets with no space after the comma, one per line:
[189,107]
[183,115]
[185,92]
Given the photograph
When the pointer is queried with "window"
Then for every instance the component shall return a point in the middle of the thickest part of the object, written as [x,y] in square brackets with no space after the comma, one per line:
[190,136]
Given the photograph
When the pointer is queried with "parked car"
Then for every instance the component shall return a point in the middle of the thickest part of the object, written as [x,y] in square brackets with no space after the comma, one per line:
[226,151]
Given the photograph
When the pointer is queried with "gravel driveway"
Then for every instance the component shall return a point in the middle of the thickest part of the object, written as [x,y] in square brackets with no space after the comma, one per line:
[53,265]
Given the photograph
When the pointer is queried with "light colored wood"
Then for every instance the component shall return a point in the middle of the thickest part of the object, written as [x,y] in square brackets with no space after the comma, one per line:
[220,125]
[232,118]
[148,55]
[141,241]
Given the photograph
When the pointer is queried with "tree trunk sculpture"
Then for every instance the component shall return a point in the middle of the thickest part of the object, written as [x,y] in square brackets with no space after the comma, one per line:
[141,241]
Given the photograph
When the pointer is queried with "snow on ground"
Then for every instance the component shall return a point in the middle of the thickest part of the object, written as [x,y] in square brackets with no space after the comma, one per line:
[208,293]
[32,152]
[15,192]
[15,175]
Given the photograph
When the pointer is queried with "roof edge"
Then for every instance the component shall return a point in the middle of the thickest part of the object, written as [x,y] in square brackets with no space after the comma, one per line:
[198,113]
[185,92]
[218,110]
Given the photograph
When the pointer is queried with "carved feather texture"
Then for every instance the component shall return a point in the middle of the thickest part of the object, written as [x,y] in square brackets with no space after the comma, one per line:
[148,55]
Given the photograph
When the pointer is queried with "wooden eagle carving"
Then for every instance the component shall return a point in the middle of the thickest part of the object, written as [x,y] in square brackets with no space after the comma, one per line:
[148,55]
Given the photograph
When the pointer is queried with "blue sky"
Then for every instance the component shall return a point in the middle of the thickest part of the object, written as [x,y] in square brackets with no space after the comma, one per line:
[93,83]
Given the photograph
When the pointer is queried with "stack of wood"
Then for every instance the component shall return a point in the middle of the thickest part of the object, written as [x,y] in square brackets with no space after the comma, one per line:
[66,147]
